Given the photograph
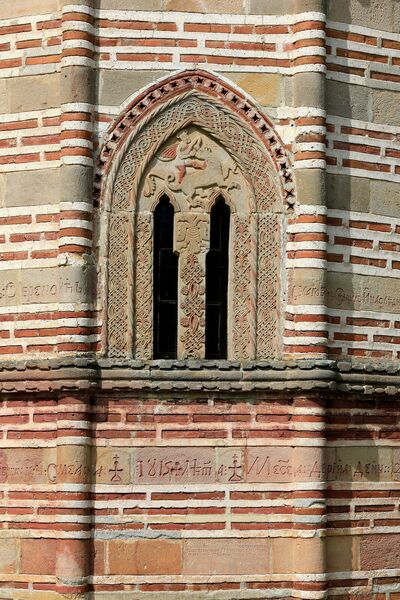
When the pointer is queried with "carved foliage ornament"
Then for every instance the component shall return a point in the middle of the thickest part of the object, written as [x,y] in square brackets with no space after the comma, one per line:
[187,167]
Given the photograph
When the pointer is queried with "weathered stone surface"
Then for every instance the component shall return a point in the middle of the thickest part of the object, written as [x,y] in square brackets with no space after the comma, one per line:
[265,88]
[345,100]
[365,464]
[33,92]
[345,290]
[385,198]
[309,5]
[27,465]
[130,4]
[206,6]
[8,555]
[76,183]
[309,89]
[379,551]
[20,8]
[269,7]
[226,557]
[38,556]
[378,14]
[78,84]
[310,186]
[282,555]
[116,86]
[3,179]
[342,553]
[386,107]
[3,96]
[32,187]
[309,555]
[113,466]
[54,284]
[141,557]
[349,193]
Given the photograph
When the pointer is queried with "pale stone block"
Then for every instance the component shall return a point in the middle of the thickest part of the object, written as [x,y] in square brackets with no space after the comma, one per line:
[378,14]
[386,107]
[3,96]
[174,466]
[26,466]
[385,198]
[27,188]
[129,4]
[347,291]
[76,184]
[116,86]
[73,464]
[34,92]
[8,555]
[364,464]
[206,6]
[396,17]
[2,189]
[310,186]
[78,84]
[265,88]
[40,286]
[112,466]
[342,553]
[226,556]
[310,6]
[309,89]
[20,8]
[269,7]
[344,100]
[282,555]
[348,193]
[309,555]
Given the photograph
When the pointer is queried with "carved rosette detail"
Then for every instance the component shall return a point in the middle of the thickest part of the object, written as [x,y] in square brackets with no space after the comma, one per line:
[269,235]
[244,288]
[143,288]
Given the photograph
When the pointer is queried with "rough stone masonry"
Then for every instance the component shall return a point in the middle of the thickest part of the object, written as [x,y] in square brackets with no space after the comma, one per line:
[275,471]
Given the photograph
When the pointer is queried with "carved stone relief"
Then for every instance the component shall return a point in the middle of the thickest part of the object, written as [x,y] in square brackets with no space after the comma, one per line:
[177,153]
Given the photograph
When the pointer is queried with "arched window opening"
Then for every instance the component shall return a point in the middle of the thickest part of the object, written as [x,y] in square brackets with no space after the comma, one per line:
[165,282]
[217,263]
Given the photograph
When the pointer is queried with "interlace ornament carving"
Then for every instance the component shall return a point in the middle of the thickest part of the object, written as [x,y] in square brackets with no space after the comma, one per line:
[244,287]
[196,110]
[144,287]
[269,236]
[119,316]
[192,234]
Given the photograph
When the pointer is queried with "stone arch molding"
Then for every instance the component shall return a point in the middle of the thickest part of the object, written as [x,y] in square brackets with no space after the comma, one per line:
[194,138]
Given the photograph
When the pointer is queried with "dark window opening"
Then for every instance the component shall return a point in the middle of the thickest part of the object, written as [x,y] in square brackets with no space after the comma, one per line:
[217,262]
[165,290]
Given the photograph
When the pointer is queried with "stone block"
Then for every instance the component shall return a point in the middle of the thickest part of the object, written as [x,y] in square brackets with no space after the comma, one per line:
[386,107]
[21,8]
[34,92]
[129,4]
[8,555]
[226,556]
[113,466]
[348,193]
[3,179]
[76,184]
[174,466]
[385,198]
[144,557]
[26,465]
[98,558]
[309,555]
[342,553]
[28,188]
[77,84]
[347,291]
[378,14]
[345,100]
[309,89]
[206,6]
[269,7]
[73,464]
[310,186]
[282,555]
[72,558]
[396,17]
[3,96]
[116,86]
[38,556]
[309,6]
[379,552]
[265,88]
[360,464]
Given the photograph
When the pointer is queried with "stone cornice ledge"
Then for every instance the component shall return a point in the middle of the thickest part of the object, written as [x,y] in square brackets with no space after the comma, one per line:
[96,374]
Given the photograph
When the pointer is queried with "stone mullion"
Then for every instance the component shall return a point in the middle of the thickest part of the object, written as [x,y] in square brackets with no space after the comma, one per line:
[192,232]
[143,291]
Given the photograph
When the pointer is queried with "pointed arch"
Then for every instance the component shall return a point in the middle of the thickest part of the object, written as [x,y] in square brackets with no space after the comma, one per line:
[217,112]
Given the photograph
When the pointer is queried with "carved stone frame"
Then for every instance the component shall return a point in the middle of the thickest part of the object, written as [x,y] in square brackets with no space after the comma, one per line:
[201,101]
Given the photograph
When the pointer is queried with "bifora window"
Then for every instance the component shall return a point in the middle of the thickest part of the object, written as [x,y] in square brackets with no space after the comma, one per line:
[165,282]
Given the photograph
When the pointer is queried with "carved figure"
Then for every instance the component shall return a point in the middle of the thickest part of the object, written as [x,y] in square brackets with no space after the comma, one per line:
[192,168]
